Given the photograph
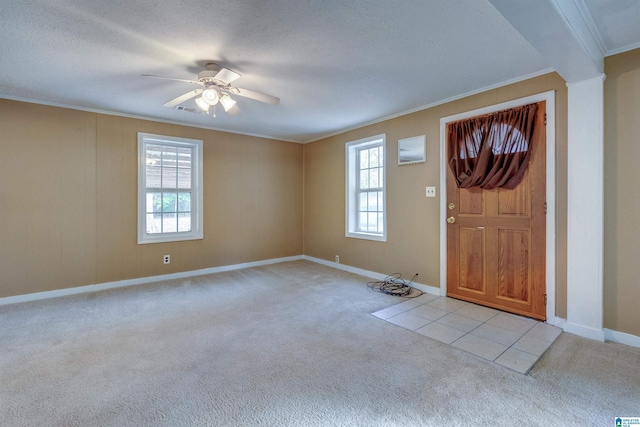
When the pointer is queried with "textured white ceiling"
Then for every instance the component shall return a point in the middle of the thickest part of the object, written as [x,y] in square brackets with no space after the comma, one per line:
[335,64]
[618,23]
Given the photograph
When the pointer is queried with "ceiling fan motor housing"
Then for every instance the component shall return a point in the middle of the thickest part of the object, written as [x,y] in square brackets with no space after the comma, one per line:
[207,78]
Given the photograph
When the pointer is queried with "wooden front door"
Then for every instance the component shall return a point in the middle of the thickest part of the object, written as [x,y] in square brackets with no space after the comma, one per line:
[496,246]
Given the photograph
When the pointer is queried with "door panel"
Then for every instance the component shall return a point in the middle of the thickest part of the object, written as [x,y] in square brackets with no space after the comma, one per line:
[513,265]
[496,243]
[471,202]
[515,202]
[472,263]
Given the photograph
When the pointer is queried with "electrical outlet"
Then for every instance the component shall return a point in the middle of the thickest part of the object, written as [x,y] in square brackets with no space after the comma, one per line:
[166,259]
[338,259]
[431,191]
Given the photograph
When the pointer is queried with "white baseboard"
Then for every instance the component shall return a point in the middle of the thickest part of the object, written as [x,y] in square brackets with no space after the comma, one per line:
[131,282]
[584,331]
[622,338]
[595,334]
[366,273]
[607,334]
[557,321]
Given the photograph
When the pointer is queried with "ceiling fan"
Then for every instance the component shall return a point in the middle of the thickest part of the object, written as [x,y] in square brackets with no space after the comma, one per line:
[215,88]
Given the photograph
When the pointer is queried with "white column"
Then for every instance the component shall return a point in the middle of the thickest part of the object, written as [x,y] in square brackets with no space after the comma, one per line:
[585,209]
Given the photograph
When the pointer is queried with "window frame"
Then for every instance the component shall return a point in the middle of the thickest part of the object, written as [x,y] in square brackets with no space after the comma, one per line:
[196,232]
[352,187]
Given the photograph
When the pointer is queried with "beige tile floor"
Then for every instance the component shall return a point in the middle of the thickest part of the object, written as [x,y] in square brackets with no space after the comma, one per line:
[506,339]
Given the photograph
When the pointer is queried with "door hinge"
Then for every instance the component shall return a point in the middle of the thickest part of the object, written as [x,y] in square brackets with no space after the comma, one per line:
[545,299]
[545,208]
[545,118]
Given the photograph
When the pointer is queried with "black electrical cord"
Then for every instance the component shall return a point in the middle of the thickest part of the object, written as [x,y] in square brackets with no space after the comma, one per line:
[395,285]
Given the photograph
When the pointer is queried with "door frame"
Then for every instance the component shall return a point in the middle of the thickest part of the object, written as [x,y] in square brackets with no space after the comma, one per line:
[550,257]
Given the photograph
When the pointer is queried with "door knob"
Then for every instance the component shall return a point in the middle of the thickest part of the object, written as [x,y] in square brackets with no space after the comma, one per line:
[451,220]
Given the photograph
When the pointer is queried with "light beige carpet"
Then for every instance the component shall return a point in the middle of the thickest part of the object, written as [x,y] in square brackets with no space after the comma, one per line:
[290,344]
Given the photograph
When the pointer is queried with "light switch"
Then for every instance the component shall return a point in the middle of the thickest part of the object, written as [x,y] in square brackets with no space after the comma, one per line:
[431,191]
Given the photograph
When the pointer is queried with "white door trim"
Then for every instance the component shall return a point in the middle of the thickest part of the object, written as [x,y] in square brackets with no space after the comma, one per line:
[550,278]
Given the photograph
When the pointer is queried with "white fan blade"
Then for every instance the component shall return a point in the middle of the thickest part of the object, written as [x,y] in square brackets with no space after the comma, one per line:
[234,111]
[171,78]
[227,76]
[262,97]
[182,98]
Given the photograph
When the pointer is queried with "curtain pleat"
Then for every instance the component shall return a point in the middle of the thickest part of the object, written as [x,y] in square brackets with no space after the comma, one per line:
[491,151]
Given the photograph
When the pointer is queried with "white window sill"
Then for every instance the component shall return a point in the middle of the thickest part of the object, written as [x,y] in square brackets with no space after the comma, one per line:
[367,236]
[167,237]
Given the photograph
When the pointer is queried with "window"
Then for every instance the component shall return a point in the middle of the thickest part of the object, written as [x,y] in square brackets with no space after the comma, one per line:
[365,189]
[498,134]
[169,189]
[493,150]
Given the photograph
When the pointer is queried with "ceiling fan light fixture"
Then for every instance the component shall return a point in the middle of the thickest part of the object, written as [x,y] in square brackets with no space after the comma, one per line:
[202,104]
[227,102]
[210,96]
[215,87]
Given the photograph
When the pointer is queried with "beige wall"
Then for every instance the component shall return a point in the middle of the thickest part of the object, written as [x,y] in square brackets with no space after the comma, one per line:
[68,196]
[622,193]
[413,243]
[68,189]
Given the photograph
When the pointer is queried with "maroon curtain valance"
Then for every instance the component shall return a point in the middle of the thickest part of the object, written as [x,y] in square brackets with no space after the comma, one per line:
[491,151]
